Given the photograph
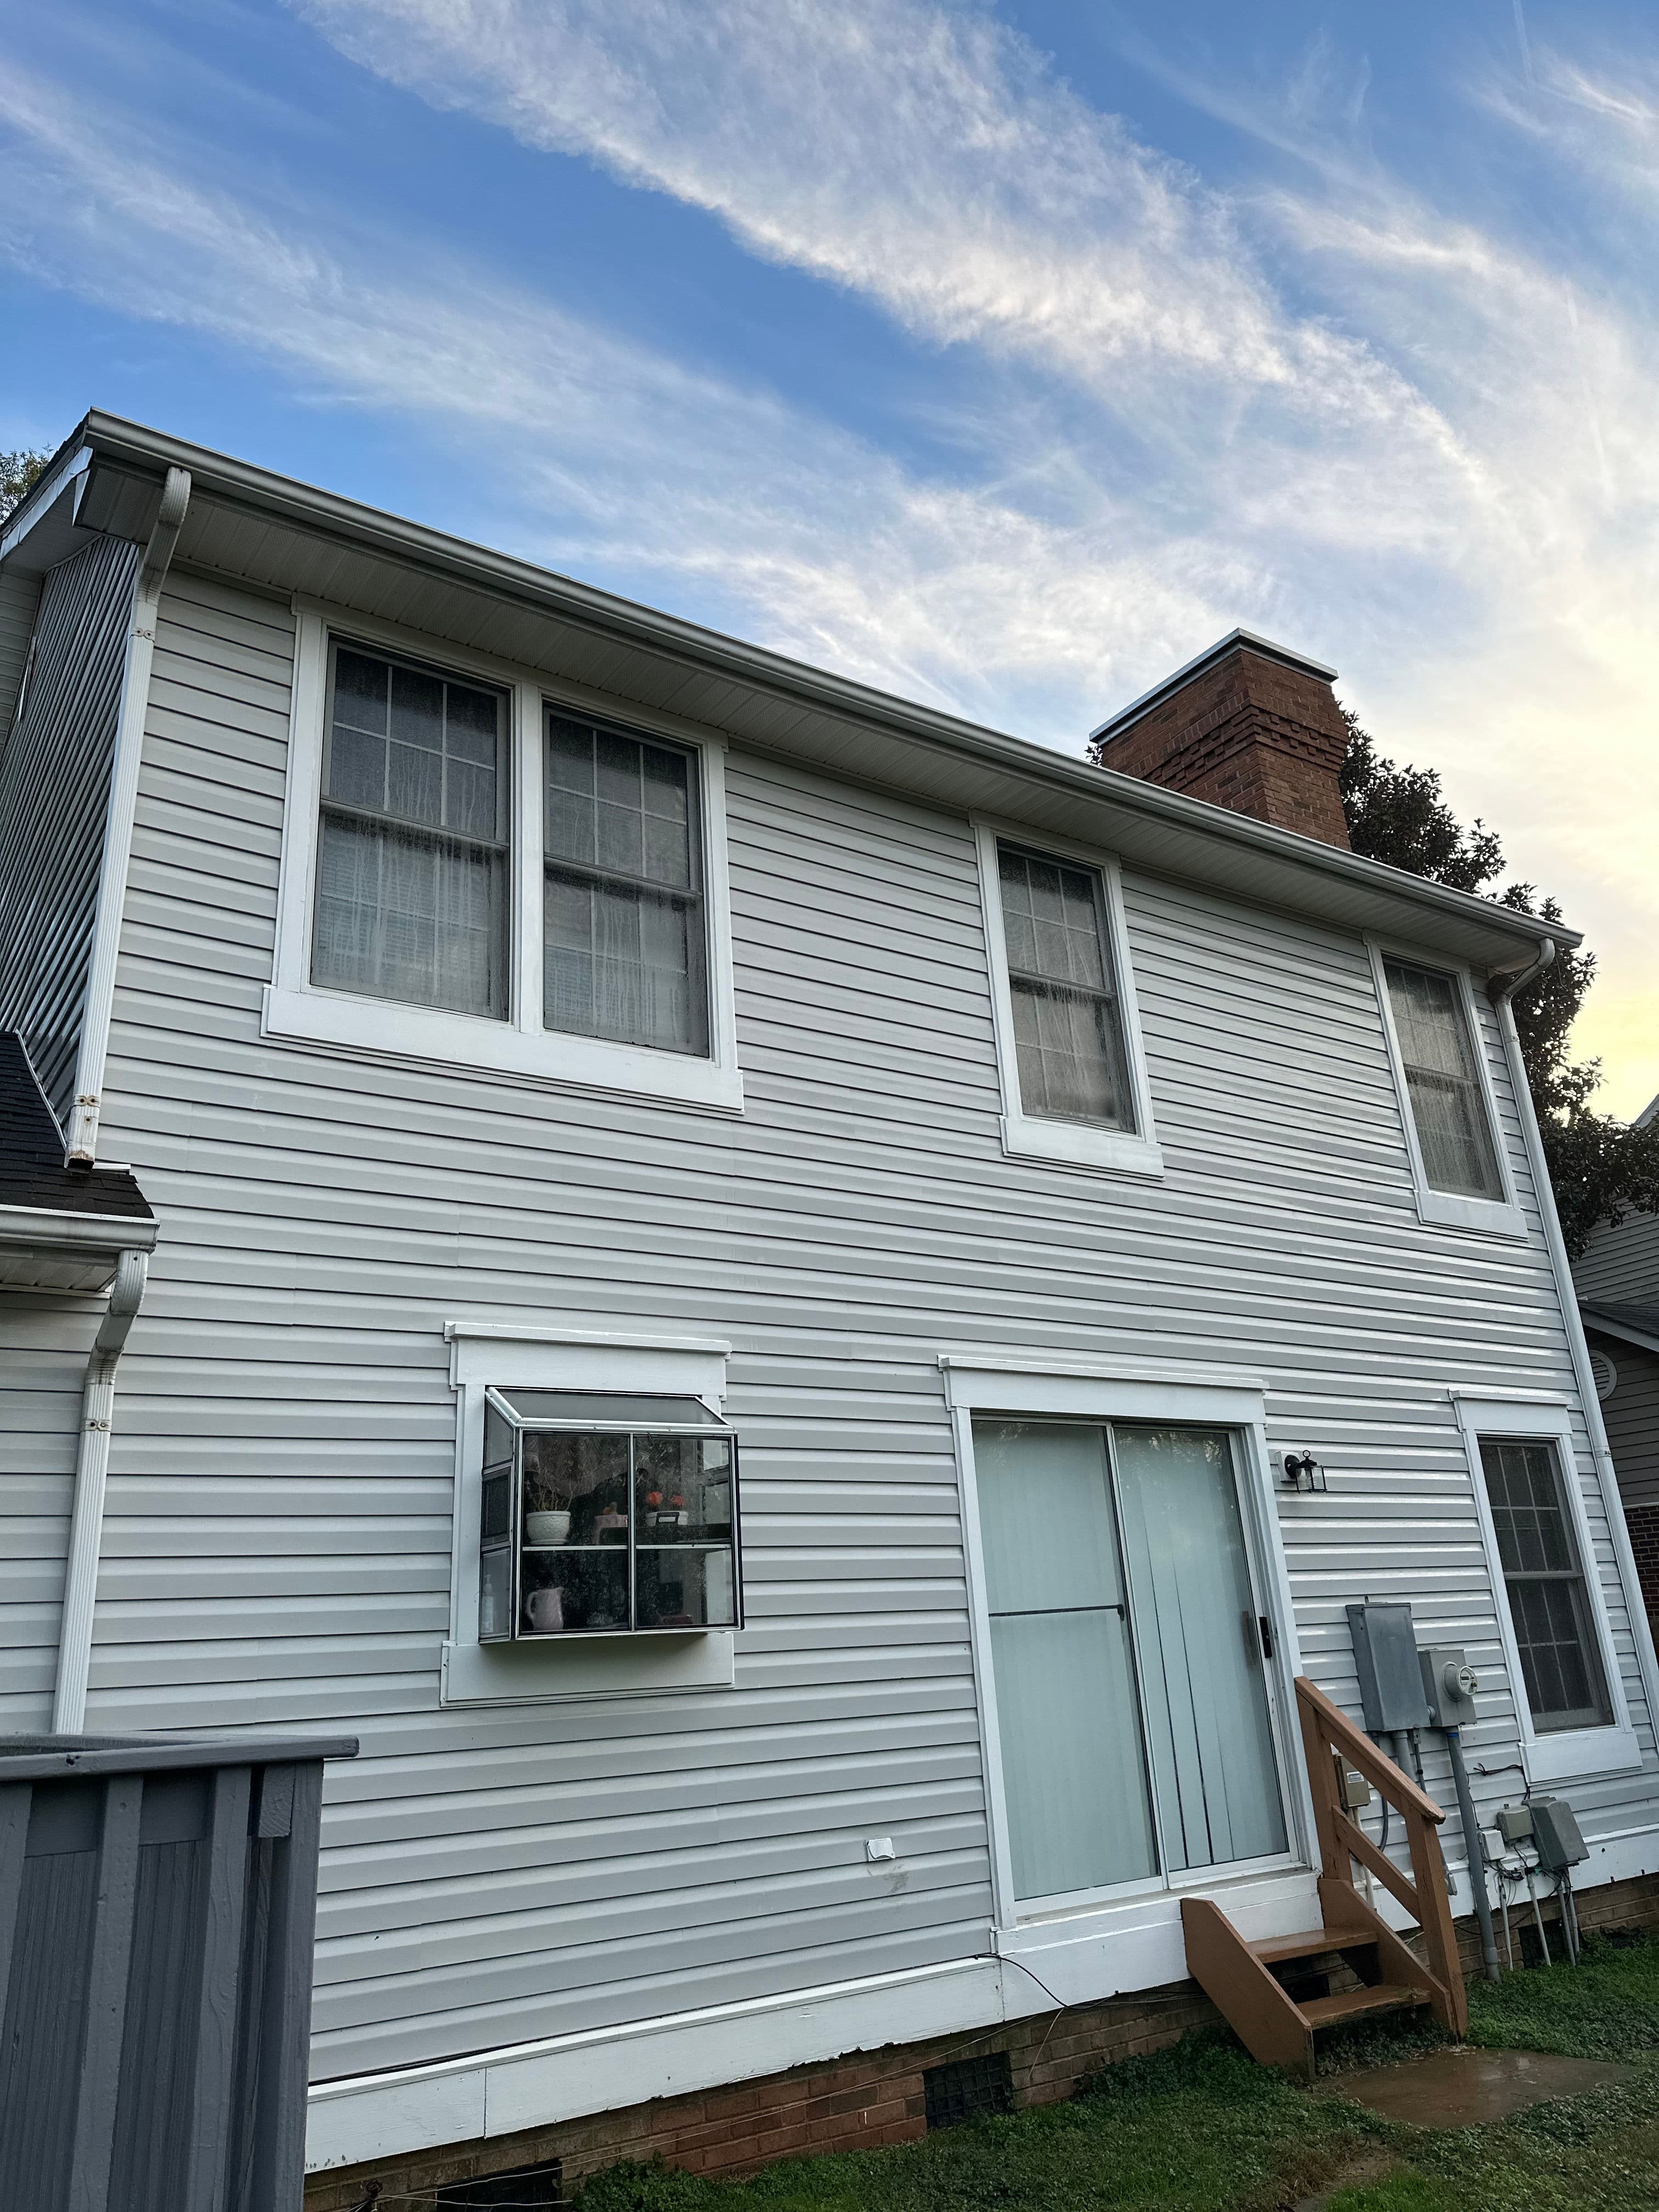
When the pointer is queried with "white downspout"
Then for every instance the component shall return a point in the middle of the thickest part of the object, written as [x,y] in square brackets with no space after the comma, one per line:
[1502,989]
[68,1710]
[81,1146]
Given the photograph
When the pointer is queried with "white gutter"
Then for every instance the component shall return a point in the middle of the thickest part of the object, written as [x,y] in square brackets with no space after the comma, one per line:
[1503,990]
[68,1710]
[98,1006]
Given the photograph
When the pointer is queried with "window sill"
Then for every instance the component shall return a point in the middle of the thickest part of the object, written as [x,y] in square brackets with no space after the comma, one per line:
[1440,1209]
[471,1042]
[1076,1145]
[1576,1754]
[545,1671]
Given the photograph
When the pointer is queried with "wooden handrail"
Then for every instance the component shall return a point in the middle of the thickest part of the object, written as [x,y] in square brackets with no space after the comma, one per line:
[1329,1736]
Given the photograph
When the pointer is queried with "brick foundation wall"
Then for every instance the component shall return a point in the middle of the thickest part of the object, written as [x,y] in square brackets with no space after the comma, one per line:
[866,2097]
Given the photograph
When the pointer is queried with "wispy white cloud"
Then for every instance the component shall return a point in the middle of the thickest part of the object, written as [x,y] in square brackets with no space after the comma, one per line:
[1397,432]
[607,452]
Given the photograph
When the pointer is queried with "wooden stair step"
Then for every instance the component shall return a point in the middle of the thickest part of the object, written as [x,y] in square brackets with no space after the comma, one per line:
[1385,1997]
[1311,1943]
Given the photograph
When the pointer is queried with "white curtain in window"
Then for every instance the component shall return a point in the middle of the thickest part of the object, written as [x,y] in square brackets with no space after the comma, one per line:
[1068,1728]
[1200,1654]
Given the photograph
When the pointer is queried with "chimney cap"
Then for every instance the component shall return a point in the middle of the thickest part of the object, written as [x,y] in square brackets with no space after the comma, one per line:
[1234,640]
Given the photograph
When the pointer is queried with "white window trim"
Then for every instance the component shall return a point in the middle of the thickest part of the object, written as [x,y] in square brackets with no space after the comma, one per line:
[543,1355]
[1066,1386]
[1445,1209]
[1029,1136]
[1552,1755]
[518,1046]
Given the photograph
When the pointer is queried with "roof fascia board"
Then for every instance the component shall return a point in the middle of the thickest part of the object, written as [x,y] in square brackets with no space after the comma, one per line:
[216,476]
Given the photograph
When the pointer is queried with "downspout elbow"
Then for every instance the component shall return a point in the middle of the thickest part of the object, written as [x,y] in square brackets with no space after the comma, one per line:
[91,1478]
[1503,987]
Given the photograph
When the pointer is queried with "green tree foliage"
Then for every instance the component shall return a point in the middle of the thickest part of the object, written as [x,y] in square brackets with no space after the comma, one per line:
[1602,1168]
[18,471]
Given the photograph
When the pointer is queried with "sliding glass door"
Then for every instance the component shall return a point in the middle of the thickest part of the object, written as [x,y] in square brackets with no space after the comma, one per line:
[1131,1695]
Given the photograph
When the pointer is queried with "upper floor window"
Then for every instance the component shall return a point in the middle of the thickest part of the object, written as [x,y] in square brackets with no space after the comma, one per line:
[624,922]
[412,863]
[1068,1038]
[477,876]
[1068,1047]
[1448,1098]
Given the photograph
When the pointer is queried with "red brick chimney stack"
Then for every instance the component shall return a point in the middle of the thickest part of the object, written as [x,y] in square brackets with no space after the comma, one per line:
[1247,724]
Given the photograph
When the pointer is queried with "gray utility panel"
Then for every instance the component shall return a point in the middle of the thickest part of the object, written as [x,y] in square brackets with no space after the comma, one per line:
[1385,1657]
[158,1900]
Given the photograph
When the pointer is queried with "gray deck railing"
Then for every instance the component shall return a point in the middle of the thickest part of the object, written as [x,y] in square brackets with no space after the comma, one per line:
[158,1902]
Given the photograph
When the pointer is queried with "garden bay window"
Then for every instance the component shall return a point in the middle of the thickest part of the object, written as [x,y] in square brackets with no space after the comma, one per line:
[1442,1081]
[1127,1654]
[1068,1031]
[606,1515]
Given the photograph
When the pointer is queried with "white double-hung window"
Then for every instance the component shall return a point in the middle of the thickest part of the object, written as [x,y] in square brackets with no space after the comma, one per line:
[1068,1044]
[1447,1103]
[478,873]
[1552,1619]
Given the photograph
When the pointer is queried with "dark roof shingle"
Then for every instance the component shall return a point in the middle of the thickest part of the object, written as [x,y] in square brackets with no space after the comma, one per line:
[32,1170]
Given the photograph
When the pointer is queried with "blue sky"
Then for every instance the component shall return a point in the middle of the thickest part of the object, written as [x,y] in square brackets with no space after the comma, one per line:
[1003,355]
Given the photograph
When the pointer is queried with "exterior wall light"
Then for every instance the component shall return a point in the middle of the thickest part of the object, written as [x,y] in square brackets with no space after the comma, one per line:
[1302,1472]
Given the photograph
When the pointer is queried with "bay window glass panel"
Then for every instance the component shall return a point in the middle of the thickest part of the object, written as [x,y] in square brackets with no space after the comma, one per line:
[1447,1101]
[1549,1604]
[1068,1038]
[1068,1726]
[1206,1706]
[624,919]
[412,860]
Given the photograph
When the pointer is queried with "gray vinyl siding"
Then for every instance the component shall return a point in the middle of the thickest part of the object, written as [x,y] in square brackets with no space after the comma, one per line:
[54,797]
[277,1545]
[1632,1414]
[1622,1267]
[20,599]
[43,1344]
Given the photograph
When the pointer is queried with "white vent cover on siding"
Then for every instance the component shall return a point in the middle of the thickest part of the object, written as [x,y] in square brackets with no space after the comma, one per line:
[1606,1374]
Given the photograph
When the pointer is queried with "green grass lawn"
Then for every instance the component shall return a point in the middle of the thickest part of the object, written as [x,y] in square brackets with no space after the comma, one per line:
[1202,2128]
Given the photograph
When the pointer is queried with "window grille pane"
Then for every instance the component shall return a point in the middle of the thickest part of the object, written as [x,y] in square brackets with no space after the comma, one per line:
[401,915]
[1068,1041]
[1449,1106]
[623,920]
[411,871]
[1549,1605]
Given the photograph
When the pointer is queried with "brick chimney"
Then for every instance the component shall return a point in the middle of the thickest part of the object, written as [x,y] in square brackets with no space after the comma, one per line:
[1247,724]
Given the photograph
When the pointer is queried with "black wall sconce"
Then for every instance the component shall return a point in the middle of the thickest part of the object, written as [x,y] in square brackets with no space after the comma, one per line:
[1302,1472]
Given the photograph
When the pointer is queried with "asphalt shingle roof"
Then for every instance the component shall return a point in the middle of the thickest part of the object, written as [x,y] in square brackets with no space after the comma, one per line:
[32,1170]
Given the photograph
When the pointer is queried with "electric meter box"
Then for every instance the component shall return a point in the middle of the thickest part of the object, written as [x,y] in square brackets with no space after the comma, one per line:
[1555,1835]
[1390,1679]
[1515,1824]
[1448,1684]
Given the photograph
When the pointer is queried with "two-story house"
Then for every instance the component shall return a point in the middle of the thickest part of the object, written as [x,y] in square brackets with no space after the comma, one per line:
[725,1268]
[1618,1280]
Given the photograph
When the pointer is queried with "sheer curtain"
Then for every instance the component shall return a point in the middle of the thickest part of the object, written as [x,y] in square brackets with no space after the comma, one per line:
[1200,1653]
[1068,1728]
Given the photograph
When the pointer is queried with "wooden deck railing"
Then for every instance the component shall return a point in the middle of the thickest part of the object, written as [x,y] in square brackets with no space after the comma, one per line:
[1329,1737]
